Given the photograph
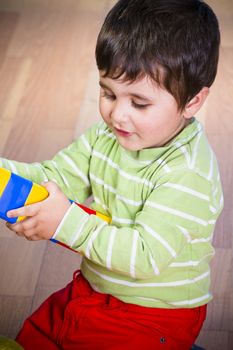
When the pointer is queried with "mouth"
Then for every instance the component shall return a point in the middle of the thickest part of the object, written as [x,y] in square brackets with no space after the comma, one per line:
[123,133]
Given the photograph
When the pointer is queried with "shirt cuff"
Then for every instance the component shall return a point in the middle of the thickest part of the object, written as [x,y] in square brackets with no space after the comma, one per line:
[71,226]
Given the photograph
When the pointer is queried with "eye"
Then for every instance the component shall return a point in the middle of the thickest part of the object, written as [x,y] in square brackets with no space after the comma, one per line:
[139,106]
[108,95]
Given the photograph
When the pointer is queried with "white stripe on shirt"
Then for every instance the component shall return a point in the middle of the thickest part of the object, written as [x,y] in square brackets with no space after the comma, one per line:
[187,190]
[152,284]
[86,143]
[176,213]
[122,172]
[78,233]
[75,168]
[110,247]
[158,238]
[91,238]
[133,253]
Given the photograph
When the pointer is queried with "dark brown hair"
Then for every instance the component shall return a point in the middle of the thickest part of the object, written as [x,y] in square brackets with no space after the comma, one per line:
[174,42]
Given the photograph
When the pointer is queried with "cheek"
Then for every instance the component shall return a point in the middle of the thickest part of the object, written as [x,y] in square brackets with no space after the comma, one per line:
[104,109]
[100,105]
[148,125]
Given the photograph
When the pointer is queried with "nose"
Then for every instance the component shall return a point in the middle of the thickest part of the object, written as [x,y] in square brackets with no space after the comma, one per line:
[119,113]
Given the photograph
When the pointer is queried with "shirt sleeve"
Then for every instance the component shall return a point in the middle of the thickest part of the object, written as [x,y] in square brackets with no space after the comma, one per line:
[179,209]
[69,168]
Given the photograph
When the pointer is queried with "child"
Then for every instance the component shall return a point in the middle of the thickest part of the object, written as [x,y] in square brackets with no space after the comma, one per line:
[144,279]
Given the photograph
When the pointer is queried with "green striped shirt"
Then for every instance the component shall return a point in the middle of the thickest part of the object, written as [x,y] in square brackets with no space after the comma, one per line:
[164,203]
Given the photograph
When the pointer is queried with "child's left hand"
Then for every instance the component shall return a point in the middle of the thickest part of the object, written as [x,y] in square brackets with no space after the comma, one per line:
[43,217]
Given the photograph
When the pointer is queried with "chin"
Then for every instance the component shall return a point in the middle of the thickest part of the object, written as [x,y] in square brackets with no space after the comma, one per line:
[131,148]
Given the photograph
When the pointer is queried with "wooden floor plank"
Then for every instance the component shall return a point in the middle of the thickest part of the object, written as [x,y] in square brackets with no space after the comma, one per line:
[214,340]
[20,263]
[89,109]
[49,95]
[45,56]
[8,24]
[14,310]
[219,128]
[55,276]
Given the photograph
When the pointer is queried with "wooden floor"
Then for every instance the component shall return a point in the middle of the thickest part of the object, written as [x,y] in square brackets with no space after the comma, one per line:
[48,95]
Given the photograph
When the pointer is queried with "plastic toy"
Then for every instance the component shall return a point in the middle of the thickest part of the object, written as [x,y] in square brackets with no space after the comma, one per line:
[16,192]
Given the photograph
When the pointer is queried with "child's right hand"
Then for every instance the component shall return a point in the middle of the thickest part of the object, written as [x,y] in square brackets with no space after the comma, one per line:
[43,217]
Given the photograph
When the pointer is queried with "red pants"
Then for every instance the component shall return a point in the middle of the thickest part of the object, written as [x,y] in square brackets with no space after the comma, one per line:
[79,318]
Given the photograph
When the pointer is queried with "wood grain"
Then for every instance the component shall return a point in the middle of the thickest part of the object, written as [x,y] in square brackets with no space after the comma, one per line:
[48,96]
[46,52]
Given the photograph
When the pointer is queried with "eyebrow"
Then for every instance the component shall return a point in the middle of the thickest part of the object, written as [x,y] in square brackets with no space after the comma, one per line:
[139,96]
[101,84]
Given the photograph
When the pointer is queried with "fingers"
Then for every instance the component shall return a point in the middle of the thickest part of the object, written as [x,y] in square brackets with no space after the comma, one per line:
[33,209]
[28,210]
[42,219]
[26,228]
[51,187]
[12,228]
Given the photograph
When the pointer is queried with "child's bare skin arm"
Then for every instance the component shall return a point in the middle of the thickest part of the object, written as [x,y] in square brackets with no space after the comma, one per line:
[43,217]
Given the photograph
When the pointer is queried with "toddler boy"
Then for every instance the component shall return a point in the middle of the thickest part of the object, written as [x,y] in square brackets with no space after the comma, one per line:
[144,279]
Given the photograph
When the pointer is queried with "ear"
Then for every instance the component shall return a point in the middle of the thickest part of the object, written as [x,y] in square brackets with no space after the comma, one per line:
[195,103]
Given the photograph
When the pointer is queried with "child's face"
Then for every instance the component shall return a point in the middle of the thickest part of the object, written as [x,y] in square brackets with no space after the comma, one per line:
[140,114]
